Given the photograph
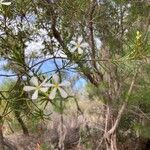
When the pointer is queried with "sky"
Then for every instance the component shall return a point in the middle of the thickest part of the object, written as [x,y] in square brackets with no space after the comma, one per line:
[47,66]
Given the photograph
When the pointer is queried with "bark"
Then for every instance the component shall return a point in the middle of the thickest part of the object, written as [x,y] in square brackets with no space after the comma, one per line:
[22,124]
[9,144]
[1,139]
[111,142]
[91,32]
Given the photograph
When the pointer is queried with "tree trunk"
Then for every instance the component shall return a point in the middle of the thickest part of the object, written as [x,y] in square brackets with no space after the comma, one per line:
[1,139]
[22,124]
[9,144]
[111,142]
[110,138]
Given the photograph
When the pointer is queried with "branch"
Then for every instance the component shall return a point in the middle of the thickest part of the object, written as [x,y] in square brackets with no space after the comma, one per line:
[91,33]
[9,144]
[8,75]
[120,113]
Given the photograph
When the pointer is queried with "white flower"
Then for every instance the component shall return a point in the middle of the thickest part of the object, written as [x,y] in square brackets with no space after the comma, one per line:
[4,3]
[57,86]
[36,88]
[79,45]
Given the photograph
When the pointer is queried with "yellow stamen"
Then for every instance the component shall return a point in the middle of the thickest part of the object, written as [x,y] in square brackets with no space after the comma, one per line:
[56,85]
[138,35]
[78,45]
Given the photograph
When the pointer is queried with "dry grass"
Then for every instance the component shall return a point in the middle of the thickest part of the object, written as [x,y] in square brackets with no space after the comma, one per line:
[47,133]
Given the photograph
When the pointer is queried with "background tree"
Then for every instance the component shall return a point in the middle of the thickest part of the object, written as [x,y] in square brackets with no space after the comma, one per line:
[117,33]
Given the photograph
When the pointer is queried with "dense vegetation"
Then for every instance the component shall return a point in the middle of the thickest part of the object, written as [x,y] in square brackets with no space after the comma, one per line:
[48,47]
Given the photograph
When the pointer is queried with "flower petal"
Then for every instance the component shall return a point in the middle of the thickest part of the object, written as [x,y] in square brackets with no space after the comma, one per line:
[73,49]
[29,88]
[84,45]
[80,40]
[65,83]
[56,78]
[53,93]
[44,82]
[34,81]
[73,43]
[44,89]
[6,3]
[80,51]
[62,92]
[35,95]
[48,85]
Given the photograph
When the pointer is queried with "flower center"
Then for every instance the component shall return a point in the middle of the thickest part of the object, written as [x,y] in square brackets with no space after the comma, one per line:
[56,85]
[38,87]
[78,45]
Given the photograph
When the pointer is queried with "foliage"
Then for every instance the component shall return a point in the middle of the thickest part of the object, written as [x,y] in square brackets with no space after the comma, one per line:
[110,50]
